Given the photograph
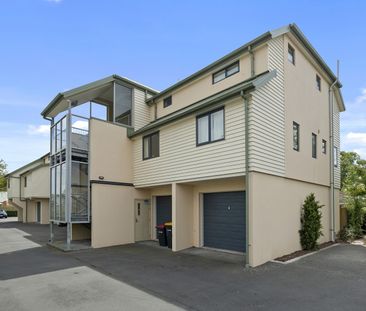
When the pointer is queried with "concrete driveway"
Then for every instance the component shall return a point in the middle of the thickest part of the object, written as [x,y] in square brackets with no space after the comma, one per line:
[147,277]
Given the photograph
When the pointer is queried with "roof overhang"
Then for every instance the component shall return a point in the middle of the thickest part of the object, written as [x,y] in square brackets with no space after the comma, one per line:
[102,88]
[246,86]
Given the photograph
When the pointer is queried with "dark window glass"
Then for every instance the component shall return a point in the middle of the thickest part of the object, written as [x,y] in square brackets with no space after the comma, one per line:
[295,136]
[25,181]
[226,72]
[150,146]
[167,101]
[313,144]
[210,127]
[318,83]
[291,54]
[324,146]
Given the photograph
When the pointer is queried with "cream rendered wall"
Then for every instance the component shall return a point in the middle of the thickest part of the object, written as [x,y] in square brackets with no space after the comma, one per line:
[202,87]
[110,155]
[110,152]
[113,218]
[182,216]
[181,160]
[45,216]
[309,107]
[38,183]
[13,191]
[275,215]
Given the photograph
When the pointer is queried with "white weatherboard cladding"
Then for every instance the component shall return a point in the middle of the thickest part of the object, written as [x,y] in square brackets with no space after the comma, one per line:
[180,159]
[336,126]
[267,118]
[142,112]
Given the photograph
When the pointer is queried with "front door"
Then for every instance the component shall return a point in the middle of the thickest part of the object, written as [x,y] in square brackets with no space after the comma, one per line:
[142,220]
[38,211]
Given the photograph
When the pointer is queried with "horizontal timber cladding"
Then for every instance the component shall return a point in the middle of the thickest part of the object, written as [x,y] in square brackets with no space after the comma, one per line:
[141,110]
[267,118]
[336,125]
[181,159]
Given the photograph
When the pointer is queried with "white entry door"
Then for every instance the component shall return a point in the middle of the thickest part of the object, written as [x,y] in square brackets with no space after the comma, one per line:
[142,220]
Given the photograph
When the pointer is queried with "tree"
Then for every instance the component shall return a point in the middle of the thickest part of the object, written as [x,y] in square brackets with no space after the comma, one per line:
[310,223]
[3,172]
[353,183]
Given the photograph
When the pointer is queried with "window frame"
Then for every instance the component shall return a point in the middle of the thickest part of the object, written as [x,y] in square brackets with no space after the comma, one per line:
[318,81]
[298,136]
[335,156]
[324,146]
[291,49]
[167,101]
[149,136]
[225,69]
[314,151]
[209,113]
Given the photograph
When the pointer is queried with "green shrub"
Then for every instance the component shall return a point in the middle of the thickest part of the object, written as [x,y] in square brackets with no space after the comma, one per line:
[310,223]
[356,218]
[12,213]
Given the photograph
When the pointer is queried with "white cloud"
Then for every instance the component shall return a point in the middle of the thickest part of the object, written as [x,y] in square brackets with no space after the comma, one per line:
[356,138]
[39,130]
[81,124]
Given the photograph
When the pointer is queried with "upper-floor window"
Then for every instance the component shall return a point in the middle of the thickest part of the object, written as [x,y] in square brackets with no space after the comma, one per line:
[150,146]
[167,101]
[291,54]
[226,72]
[295,136]
[210,127]
[25,181]
[8,182]
[313,145]
[318,83]
[324,146]
[335,150]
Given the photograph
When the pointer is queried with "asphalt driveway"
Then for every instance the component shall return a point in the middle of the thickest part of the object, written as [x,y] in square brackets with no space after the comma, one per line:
[145,277]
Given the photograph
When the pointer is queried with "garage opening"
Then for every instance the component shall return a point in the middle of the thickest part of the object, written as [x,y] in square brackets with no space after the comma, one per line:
[224,221]
[163,209]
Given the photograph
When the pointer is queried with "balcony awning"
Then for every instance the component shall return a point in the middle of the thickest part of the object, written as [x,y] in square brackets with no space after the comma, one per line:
[100,90]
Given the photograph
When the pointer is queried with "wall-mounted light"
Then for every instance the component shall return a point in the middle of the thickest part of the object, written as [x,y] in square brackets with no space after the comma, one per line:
[101,177]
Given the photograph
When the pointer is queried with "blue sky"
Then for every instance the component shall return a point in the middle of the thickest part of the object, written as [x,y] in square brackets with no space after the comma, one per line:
[48,46]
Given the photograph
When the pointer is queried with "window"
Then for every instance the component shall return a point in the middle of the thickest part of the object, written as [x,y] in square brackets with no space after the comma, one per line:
[167,101]
[150,146]
[291,54]
[313,145]
[324,146]
[210,127]
[122,104]
[335,150]
[25,181]
[295,136]
[318,83]
[8,183]
[226,72]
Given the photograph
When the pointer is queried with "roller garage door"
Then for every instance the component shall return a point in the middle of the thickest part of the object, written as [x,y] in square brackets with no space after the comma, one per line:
[224,220]
[163,209]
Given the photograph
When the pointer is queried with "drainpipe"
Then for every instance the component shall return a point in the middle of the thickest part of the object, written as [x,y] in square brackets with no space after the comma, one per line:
[331,140]
[247,222]
[252,60]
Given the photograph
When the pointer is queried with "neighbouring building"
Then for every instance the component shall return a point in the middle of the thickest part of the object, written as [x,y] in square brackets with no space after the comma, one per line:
[228,154]
[29,191]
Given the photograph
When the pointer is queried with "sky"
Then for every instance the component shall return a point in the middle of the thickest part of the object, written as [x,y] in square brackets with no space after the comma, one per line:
[49,46]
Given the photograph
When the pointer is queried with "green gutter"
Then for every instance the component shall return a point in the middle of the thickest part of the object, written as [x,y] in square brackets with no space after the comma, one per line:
[257,41]
[247,85]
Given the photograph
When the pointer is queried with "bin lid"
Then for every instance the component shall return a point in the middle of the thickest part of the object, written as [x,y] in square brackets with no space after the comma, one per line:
[169,223]
[161,226]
